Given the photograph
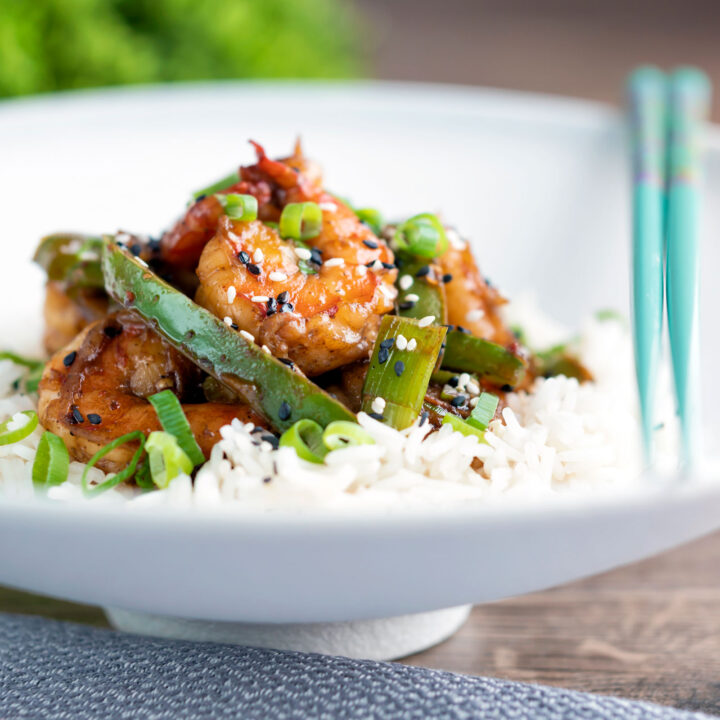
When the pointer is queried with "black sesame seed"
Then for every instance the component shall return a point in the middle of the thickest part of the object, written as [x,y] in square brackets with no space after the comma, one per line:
[447,277]
[69,359]
[257,429]
[423,271]
[316,256]
[272,440]
[387,343]
[135,249]
[77,415]
[287,361]
[267,479]
[272,306]
[234,326]
[153,244]
[283,297]
[399,368]
[507,388]
[453,381]
[461,329]
[388,266]
[424,416]
[458,401]
[287,307]
[243,257]
[371,244]
[94,418]
[200,197]
[488,282]
[285,411]
[370,264]
[376,416]
[406,305]
[383,355]
[254,269]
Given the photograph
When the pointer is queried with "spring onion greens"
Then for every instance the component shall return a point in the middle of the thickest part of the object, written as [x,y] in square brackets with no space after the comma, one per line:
[35,369]
[143,478]
[125,474]
[460,425]
[371,217]
[166,459]
[72,259]
[301,221]
[421,235]
[484,411]
[398,400]
[341,434]
[271,387]
[239,207]
[560,360]
[174,422]
[221,184]
[52,462]
[306,438]
[8,436]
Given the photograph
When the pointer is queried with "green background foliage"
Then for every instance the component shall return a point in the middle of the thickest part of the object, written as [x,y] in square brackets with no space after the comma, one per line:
[48,45]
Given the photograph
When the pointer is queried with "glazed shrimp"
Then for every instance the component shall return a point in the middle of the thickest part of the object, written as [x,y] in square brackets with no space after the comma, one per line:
[93,390]
[321,319]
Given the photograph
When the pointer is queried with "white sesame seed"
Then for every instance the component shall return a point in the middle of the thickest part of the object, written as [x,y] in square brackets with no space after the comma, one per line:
[473,401]
[406,282]
[260,298]
[328,206]
[401,342]
[303,253]
[427,320]
[277,276]
[377,265]
[247,336]
[334,262]
[266,349]
[411,297]
[412,344]
[258,256]
[463,379]
[142,262]
[378,405]
[360,270]
[228,321]
[472,387]
[231,294]
[475,315]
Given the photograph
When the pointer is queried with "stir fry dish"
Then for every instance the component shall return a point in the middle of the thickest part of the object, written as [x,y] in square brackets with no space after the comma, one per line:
[275,302]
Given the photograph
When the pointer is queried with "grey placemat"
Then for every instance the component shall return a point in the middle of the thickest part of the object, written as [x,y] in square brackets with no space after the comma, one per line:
[51,669]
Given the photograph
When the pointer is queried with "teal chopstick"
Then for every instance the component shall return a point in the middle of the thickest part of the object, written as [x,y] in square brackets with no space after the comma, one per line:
[689,100]
[647,91]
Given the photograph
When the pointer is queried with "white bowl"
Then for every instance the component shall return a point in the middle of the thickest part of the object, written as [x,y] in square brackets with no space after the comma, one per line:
[539,183]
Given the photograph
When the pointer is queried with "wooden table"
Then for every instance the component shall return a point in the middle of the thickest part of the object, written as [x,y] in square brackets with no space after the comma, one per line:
[649,631]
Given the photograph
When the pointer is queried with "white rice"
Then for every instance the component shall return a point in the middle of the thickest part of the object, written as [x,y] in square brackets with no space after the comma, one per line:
[563,437]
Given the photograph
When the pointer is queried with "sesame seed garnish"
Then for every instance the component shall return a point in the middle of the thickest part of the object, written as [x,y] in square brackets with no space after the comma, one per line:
[461,329]
[412,344]
[463,379]
[507,388]
[243,257]
[399,368]
[474,401]
[258,256]
[371,244]
[284,411]
[335,262]
[286,307]
[383,355]
[77,415]
[284,296]
[135,249]
[387,343]
[316,256]
[472,387]
[260,298]
[228,320]
[249,337]
[406,282]
[401,342]
[376,416]
[271,306]
[412,297]
[327,206]
[254,269]
[266,350]
[141,262]
[378,405]
[423,417]
[406,305]
[267,479]
[94,418]
[458,401]
[454,381]
[287,362]
[388,266]
[447,277]
[423,271]
[69,359]
[277,276]
[376,265]
[231,294]
[427,320]
[361,270]
[303,253]
[235,326]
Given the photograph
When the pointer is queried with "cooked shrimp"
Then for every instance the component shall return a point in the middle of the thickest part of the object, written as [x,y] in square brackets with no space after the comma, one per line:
[66,315]
[320,319]
[93,390]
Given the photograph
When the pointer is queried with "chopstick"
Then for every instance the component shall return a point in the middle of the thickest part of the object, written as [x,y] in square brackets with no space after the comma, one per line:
[689,100]
[647,91]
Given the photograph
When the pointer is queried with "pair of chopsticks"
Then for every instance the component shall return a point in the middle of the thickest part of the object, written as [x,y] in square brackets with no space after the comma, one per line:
[666,115]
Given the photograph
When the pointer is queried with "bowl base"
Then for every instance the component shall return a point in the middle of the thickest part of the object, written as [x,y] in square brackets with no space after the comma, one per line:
[383,639]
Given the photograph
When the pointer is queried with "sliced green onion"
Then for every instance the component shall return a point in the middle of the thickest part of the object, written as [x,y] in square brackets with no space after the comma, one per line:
[301,221]
[125,474]
[166,459]
[72,259]
[457,423]
[371,217]
[610,314]
[35,367]
[8,437]
[225,182]
[306,438]
[239,207]
[271,224]
[52,461]
[142,477]
[398,397]
[173,420]
[341,434]
[484,411]
[422,235]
